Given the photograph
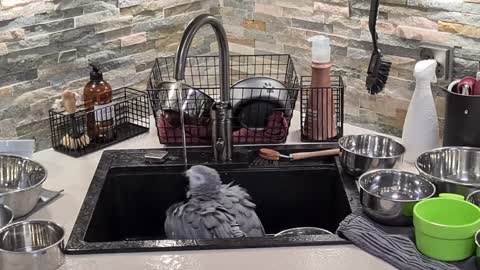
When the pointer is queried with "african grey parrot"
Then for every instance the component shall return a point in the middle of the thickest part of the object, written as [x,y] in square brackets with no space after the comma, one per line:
[213,210]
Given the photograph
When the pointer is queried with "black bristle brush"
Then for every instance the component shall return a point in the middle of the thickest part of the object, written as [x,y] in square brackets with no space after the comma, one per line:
[378,69]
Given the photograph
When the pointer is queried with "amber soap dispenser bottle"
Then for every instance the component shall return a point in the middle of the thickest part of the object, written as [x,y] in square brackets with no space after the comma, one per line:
[97,96]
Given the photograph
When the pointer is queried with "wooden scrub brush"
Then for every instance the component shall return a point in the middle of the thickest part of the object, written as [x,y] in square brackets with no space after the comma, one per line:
[270,154]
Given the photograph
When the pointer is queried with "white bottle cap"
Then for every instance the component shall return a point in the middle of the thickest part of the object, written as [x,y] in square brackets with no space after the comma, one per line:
[425,70]
[320,49]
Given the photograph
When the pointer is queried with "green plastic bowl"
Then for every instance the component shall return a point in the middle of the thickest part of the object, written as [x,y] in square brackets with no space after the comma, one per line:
[445,227]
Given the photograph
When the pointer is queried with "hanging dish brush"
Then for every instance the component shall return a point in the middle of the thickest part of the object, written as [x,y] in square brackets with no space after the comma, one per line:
[378,69]
[76,138]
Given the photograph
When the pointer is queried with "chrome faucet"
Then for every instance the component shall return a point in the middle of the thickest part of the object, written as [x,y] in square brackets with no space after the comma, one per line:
[221,111]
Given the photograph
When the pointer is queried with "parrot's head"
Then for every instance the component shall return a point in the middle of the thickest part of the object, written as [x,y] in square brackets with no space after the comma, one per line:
[203,179]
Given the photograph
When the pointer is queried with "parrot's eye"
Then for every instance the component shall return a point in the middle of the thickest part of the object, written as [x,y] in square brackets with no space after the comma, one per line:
[197,179]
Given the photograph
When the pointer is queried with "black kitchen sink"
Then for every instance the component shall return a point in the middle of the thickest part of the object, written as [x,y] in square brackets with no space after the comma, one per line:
[124,210]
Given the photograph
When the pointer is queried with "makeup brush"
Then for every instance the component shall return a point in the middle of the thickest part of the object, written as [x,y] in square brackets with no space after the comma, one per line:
[76,137]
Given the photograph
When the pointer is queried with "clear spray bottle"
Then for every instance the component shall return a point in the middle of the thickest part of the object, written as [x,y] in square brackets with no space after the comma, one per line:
[420,130]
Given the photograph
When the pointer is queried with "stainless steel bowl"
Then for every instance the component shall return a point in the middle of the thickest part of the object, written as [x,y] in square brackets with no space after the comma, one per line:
[451,169]
[474,198]
[167,99]
[388,196]
[362,153]
[21,182]
[36,244]
[303,231]
[6,215]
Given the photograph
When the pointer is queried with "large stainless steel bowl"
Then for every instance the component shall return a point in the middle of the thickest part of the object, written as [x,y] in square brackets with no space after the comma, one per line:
[6,215]
[35,244]
[21,182]
[388,196]
[362,153]
[451,169]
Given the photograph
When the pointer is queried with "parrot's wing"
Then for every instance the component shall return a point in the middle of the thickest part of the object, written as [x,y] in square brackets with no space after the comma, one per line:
[173,224]
[201,220]
[237,201]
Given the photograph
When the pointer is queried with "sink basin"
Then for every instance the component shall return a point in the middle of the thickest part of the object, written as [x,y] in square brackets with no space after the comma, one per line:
[124,210]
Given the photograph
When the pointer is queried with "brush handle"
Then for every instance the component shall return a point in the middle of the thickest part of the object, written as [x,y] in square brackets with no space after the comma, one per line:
[323,153]
[372,22]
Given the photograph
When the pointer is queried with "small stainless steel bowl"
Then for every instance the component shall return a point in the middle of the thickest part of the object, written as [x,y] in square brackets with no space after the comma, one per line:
[451,169]
[362,153]
[21,182]
[474,198]
[6,215]
[303,231]
[388,196]
[35,244]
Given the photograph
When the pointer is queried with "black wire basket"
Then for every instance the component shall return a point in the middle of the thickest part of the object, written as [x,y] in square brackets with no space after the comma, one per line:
[80,133]
[263,95]
[322,110]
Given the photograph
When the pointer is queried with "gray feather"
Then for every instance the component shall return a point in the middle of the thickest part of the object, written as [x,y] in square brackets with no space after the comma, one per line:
[213,210]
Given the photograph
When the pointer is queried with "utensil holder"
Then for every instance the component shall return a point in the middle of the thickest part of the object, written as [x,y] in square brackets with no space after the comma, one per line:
[202,75]
[316,115]
[130,111]
[462,118]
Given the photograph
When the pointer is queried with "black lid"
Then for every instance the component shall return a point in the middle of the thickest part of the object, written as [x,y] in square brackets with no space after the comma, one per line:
[95,74]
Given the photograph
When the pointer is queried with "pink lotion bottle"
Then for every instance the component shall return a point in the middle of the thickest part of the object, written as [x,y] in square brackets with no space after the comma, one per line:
[320,124]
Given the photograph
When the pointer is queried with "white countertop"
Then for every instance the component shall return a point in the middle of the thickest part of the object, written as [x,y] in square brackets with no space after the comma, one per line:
[74,176]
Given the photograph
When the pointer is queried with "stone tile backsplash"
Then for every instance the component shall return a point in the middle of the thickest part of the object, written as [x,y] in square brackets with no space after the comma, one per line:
[283,26]
[46,45]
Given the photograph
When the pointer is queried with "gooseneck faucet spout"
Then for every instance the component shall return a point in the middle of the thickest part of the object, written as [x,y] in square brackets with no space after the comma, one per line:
[221,111]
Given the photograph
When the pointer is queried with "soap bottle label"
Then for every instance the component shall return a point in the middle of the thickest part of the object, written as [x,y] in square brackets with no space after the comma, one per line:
[104,112]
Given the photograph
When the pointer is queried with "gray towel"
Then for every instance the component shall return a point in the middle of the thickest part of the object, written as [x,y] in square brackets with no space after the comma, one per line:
[397,250]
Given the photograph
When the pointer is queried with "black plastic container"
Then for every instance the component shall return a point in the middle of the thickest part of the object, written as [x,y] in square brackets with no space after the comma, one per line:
[462,120]
[131,115]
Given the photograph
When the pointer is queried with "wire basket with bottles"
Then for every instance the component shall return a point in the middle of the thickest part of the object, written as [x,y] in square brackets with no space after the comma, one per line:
[88,129]
[322,110]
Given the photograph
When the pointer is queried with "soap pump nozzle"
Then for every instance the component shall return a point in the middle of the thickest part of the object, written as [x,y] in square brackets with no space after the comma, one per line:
[95,73]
